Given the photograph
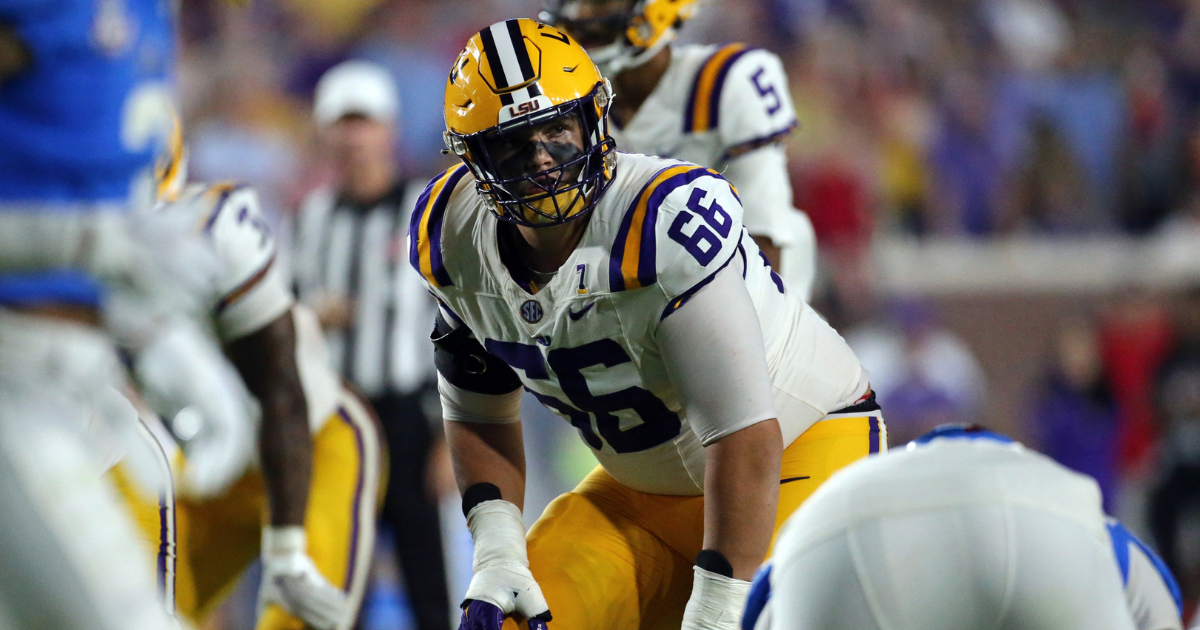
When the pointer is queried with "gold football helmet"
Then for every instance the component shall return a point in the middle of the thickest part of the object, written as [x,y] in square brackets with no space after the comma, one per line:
[620,34]
[527,111]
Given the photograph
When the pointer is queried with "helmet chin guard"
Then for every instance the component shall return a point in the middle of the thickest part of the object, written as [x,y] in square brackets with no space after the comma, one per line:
[555,195]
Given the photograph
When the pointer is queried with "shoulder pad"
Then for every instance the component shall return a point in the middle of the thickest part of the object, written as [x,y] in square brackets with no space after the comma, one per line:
[681,228]
[242,236]
[703,111]
[741,92]
[755,107]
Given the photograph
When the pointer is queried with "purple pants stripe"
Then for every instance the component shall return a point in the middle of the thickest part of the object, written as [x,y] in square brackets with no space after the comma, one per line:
[358,440]
[164,544]
[874,439]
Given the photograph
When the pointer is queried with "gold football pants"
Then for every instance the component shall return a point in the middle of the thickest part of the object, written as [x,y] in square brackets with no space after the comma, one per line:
[220,537]
[607,556]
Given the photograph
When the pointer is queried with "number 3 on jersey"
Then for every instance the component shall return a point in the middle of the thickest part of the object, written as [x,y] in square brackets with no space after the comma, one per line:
[659,424]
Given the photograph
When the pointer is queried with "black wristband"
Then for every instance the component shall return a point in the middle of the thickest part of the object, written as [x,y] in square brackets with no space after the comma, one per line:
[479,493]
[714,561]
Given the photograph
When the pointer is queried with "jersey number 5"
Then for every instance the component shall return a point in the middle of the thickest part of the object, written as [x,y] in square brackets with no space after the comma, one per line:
[766,91]
[659,424]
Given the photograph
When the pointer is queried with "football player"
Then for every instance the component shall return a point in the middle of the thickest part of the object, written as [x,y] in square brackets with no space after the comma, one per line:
[964,529]
[624,293]
[309,507]
[79,80]
[725,107]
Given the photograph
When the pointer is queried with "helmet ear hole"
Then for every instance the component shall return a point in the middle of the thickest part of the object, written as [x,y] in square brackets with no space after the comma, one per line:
[604,95]
[454,143]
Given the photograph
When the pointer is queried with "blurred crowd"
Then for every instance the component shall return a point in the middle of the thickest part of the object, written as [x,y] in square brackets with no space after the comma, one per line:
[922,118]
[961,117]
[986,118]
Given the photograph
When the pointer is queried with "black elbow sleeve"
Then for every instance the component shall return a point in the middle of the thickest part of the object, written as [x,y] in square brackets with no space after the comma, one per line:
[464,362]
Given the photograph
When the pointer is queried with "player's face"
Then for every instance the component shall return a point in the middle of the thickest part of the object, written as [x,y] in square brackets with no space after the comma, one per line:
[595,23]
[533,150]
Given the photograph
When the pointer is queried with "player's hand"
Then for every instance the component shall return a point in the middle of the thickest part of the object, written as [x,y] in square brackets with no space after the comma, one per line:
[291,581]
[185,377]
[716,602]
[510,588]
[502,577]
[479,615]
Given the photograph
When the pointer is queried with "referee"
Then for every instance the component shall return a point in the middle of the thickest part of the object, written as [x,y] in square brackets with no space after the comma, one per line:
[351,267]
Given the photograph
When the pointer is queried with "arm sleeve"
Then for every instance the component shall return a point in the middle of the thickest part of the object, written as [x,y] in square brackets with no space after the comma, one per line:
[474,385]
[761,179]
[460,405]
[463,362]
[713,350]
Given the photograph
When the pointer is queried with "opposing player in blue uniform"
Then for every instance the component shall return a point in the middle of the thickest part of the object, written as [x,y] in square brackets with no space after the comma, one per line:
[964,529]
[84,89]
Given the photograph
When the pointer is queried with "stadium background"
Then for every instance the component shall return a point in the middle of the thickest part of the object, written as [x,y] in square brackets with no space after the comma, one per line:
[1005,193]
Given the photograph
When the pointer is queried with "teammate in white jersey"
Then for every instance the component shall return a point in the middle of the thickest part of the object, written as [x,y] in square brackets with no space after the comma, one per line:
[965,529]
[319,452]
[622,291]
[725,107]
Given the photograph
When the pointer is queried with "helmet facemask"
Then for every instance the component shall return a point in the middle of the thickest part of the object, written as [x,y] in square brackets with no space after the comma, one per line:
[572,137]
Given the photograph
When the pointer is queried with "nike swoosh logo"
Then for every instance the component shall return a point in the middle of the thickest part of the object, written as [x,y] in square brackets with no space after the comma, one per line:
[575,315]
[790,479]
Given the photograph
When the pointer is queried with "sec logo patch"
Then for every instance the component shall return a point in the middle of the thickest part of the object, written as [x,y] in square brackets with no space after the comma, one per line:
[531,310]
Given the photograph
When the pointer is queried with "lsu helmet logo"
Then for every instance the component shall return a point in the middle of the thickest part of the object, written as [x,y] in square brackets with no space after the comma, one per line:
[524,108]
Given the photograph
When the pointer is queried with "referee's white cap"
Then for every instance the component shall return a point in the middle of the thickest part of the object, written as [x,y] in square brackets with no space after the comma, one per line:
[356,87]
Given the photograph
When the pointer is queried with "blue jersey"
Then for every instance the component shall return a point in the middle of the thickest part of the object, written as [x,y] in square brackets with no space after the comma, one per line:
[88,115]
[84,121]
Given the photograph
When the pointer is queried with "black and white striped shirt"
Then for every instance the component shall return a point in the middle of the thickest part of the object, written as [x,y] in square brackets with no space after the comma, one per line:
[358,252]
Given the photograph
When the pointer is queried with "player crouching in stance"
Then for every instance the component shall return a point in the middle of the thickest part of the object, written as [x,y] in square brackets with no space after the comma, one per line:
[964,529]
[624,293]
[309,505]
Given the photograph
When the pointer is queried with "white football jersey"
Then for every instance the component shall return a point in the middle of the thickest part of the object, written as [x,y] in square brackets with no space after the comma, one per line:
[715,103]
[584,343]
[963,502]
[252,292]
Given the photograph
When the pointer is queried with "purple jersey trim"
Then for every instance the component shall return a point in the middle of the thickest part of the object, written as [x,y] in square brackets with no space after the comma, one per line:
[647,274]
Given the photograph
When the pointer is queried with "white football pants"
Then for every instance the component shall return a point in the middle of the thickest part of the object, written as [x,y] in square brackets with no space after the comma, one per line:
[69,555]
[958,568]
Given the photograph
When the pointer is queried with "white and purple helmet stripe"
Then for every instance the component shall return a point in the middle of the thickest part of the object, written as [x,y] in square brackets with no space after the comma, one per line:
[504,46]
